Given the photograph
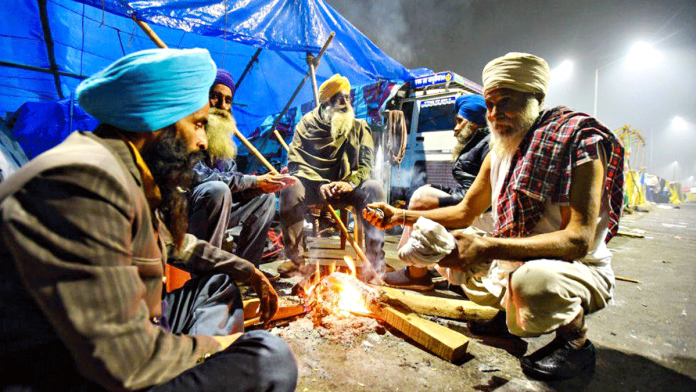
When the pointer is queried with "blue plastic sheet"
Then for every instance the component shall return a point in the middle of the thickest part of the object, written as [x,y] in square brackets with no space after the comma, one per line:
[89,34]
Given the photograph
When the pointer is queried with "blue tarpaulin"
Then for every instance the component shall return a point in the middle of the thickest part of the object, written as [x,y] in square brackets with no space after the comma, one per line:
[49,46]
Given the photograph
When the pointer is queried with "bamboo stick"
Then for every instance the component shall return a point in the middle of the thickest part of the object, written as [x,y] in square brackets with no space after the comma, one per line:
[281,140]
[150,33]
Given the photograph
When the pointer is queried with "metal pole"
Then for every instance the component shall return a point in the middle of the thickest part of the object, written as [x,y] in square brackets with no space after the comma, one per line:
[313,74]
[297,90]
[652,146]
[254,59]
[596,90]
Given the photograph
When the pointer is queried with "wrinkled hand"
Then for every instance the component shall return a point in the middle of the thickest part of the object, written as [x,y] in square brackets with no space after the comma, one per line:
[335,189]
[468,252]
[271,183]
[392,216]
[268,298]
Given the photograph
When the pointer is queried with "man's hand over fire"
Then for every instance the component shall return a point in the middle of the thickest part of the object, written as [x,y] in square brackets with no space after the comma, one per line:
[389,216]
[468,252]
[267,295]
[335,189]
[271,183]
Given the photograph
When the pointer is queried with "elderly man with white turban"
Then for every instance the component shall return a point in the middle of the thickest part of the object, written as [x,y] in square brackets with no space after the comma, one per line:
[554,180]
[87,229]
[332,155]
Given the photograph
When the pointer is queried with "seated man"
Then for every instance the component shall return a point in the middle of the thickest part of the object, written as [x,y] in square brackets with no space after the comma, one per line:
[87,228]
[223,197]
[554,178]
[472,147]
[331,154]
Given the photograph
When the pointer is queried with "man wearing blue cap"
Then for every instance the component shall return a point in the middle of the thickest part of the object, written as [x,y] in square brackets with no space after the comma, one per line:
[87,228]
[468,154]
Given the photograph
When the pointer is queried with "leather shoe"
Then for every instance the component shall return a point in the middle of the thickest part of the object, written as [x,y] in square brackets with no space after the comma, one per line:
[401,279]
[559,360]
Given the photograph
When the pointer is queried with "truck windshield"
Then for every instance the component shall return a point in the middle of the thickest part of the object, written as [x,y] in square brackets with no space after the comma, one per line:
[436,115]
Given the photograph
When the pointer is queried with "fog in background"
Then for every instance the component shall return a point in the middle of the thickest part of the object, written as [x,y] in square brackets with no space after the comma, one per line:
[462,36]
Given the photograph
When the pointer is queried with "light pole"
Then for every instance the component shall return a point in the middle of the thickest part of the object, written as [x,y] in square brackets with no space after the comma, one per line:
[641,53]
[674,171]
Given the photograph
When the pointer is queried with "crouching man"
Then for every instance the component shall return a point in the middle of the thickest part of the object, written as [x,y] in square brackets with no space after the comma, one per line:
[554,179]
[86,229]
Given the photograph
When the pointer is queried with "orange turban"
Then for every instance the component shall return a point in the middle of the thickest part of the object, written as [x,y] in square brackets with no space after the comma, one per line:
[332,86]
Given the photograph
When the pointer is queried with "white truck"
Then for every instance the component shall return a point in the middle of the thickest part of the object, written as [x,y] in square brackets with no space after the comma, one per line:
[428,106]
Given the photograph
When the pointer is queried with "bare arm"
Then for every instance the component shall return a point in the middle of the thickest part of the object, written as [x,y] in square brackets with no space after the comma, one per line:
[476,201]
[569,243]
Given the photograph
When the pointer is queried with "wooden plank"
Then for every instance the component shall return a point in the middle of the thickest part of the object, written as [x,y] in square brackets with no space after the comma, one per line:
[441,341]
[437,306]
[252,314]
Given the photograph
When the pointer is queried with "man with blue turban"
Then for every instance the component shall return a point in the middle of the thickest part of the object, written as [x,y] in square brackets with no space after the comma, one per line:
[472,147]
[87,229]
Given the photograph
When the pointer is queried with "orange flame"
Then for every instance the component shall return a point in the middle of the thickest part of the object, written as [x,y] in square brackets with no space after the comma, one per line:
[337,292]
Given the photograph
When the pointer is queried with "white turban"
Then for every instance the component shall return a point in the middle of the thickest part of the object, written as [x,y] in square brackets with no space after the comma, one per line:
[517,71]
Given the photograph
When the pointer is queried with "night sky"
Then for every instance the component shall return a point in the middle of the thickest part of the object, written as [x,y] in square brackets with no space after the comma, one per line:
[463,36]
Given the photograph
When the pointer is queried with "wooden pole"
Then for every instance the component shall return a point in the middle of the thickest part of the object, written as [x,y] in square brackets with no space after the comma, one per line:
[150,33]
[281,140]
[351,240]
[254,151]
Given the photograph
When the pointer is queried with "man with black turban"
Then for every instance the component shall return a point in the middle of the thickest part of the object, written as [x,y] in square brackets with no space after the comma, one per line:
[554,179]
[87,229]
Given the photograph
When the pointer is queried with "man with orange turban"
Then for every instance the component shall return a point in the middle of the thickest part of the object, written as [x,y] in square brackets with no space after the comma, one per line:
[332,155]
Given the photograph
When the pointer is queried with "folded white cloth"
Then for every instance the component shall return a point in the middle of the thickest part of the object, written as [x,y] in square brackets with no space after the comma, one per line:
[429,243]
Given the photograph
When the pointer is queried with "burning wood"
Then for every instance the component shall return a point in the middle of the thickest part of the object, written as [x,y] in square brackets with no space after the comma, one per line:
[342,295]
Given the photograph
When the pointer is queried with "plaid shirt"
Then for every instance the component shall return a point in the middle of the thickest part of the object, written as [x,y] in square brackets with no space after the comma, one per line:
[541,169]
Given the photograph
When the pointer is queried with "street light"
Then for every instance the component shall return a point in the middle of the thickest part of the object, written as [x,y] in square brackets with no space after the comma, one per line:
[679,124]
[563,71]
[641,53]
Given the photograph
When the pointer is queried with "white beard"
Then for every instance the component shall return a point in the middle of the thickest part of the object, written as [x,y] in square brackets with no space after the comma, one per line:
[341,122]
[219,131]
[462,138]
[505,142]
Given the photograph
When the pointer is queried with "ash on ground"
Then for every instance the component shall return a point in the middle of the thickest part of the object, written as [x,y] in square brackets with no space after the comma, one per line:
[345,331]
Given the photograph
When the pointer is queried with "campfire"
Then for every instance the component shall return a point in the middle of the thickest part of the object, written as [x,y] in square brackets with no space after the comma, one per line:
[338,293]
[335,300]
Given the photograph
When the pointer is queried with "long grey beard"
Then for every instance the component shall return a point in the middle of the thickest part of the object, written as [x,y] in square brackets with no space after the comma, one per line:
[341,122]
[505,145]
[462,138]
[219,130]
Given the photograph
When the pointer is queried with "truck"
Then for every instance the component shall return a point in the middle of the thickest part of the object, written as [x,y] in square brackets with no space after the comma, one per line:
[427,104]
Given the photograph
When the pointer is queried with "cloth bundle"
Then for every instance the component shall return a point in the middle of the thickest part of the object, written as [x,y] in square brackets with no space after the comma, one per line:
[429,243]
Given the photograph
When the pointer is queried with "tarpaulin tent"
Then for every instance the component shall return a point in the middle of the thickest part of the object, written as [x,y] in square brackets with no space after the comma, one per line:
[49,46]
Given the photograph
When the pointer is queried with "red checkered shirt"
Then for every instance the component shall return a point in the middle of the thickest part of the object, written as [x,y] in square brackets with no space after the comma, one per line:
[560,140]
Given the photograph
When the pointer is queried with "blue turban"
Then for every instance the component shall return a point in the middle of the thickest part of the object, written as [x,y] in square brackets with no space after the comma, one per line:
[225,78]
[149,90]
[472,107]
